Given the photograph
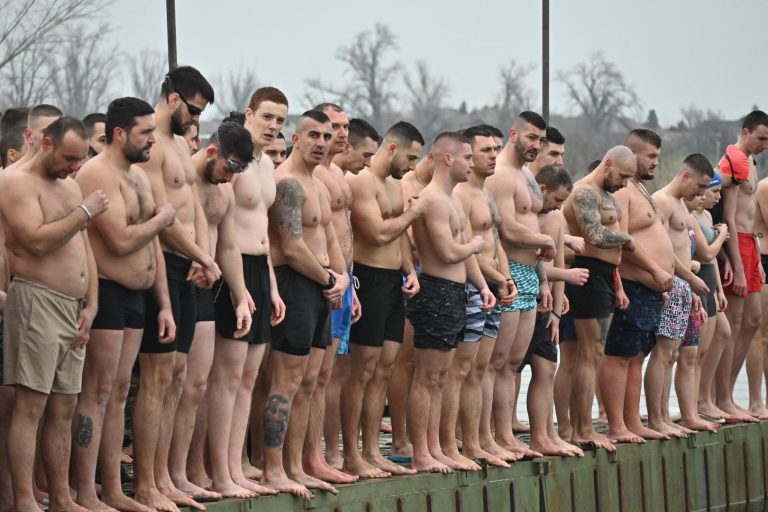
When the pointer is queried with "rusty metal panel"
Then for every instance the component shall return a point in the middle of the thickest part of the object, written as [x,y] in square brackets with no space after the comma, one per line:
[674,476]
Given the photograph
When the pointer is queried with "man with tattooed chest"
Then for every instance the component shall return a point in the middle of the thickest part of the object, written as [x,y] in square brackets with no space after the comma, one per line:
[592,213]
[311,275]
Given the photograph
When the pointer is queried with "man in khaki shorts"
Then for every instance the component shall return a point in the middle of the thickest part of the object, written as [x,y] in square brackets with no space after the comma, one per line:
[51,304]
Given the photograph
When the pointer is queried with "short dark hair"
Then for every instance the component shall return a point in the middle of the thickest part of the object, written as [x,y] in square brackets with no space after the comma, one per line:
[11,139]
[454,136]
[359,130]
[476,131]
[532,118]
[699,164]
[235,117]
[554,176]
[591,166]
[14,117]
[280,135]
[404,133]
[315,115]
[755,119]
[645,135]
[42,110]
[187,81]
[91,119]
[554,136]
[233,139]
[63,125]
[322,107]
[122,113]
[268,93]
[495,132]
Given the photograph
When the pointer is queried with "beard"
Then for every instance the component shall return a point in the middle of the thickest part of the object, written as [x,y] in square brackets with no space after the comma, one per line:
[135,155]
[208,174]
[177,126]
[524,154]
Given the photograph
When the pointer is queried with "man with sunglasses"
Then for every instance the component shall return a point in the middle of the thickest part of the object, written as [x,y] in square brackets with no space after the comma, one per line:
[228,154]
[184,95]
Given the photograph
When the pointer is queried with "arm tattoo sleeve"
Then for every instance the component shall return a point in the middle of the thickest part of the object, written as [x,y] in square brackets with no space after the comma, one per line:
[585,206]
[289,202]
[275,419]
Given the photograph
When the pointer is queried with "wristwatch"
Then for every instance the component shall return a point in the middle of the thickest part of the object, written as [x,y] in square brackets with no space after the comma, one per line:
[331,282]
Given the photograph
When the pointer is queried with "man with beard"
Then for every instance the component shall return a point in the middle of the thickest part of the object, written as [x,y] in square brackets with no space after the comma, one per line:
[382,256]
[592,213]
[362,143]
[632,333]
[50,306]
[277,151]
[184,95]
[126,249]
[311,275]
[739,176]
[95,129]
[228,153]
[519,200]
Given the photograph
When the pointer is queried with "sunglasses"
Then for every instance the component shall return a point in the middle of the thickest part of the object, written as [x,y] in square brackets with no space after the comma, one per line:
[194,110]
[234,165]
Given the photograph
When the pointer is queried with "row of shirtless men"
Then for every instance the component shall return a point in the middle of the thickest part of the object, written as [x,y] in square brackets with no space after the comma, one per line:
[292,298]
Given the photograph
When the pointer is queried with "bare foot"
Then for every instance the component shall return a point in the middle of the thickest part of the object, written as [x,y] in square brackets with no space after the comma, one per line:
[92,504]
[125,458]
[681,428]
[385,427]
[460,462]
[195,492]
[65,505]
[647,433]
[698,424]
[155,500]
[319,468]
[232,490]
[602,419]
[520,427]
[281,483]
[247,483]
[405,450]
[517,446]
[358,466]
[565,434]
[336,461]
[251,472]
[310,482]
[547,447]
[737,415]
[387,465]
[665,429]
[498,451]
[178,497]
[624,435]
[712,411]
[123,503]
[759,411]
[598,440]
[574,450]
[480,454]
[429,465]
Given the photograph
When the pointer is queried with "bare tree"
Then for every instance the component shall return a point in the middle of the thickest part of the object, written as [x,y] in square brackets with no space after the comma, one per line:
[27,79]
[427,94]
[25,23]
[694,116]
[514,95]
[369,90]
[147,72]
[83,73]
[601,93]
[234,92]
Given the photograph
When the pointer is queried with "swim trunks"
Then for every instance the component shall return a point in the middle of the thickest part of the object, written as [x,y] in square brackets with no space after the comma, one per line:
[597,297]
[183,306]
[541,342]
[341,319]
[40,326]
[674,316]
[764,261]
[750,259]
[381,299]
[119,307]
[633,330]
[206,311]
[438,313]
[480,323]
[693,331]
[307,321]
[567,328]
[708,274]
[256,275]
[527,282]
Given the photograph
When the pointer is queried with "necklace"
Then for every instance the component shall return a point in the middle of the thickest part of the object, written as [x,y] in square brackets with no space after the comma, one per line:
[645,194]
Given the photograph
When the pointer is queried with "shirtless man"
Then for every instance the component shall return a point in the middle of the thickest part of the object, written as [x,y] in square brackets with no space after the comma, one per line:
[125,247]
[684,302]
[184,95]
[332,177]
[382,256]
[277,151]
[38,120]
[55,288]
[228,154]
[739,177]
[362,144]
[757,358]
[236,362]
[95,129]
[632,333]
[311,276]
[465,388]
[519,199]
[438,311]
[592,213]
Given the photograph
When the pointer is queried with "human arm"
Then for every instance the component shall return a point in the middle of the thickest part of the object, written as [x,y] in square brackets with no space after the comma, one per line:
[437,224]
[411,286]
[513,232]
[585,208]
[231,264]
[338,265]
[705,251]
[730,204]
[166,324]
[88,313]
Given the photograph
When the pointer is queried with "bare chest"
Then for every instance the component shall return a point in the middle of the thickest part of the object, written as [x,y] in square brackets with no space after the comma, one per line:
[254,190]
[214,202]
[609,210]
[139,203]
[390,200]
[316,212]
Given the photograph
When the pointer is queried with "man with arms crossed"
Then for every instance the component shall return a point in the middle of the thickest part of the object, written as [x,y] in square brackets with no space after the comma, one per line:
[519,200]
[382,256]
[311,275]
[184,95]
[592,213]
[438,311]
[632,333]
[50,306]
[125,247]
[465,389]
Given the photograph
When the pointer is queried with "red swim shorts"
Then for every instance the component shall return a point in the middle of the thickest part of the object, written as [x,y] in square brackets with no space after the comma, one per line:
[750,259]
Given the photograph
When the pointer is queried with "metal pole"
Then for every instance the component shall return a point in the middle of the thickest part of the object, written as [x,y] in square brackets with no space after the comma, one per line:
[170,10]
[545,60]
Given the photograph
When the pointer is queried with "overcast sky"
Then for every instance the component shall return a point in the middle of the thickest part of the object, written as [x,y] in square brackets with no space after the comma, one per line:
[710,53]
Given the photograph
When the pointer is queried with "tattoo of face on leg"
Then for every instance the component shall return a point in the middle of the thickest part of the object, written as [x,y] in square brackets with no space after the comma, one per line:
[84,432]
[275,419]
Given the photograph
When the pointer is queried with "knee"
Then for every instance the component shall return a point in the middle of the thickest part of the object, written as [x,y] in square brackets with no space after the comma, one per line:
[496,363]
[101,392]
[178,377]
[591,353]
[461,370]
[751,321]
[364,372]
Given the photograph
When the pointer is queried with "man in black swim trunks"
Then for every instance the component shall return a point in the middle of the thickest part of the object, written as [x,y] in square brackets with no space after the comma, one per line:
[311,276]
[438,311]
[126,249]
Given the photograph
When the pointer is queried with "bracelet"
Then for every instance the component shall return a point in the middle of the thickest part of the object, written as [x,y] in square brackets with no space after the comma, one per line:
[553,313]
[87,211]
